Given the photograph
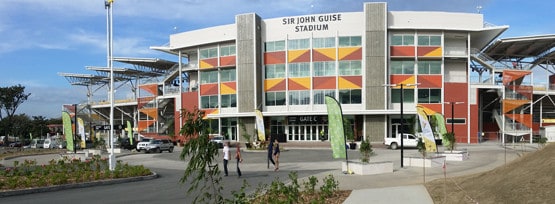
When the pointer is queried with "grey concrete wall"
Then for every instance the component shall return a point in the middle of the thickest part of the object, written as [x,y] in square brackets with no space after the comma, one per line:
[375,127]
[249,62]
[376,47]
[375,55]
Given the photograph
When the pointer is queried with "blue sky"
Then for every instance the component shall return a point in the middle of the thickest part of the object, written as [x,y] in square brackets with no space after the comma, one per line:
[41,38]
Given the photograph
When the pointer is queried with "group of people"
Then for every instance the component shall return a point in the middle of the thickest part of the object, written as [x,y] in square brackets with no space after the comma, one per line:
[273,156]
[237,157]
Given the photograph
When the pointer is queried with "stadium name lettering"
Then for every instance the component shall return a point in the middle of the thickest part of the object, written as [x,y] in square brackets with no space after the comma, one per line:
[311,23]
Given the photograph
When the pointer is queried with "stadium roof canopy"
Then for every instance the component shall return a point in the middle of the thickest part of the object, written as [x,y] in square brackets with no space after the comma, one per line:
[143,68]
[539,47]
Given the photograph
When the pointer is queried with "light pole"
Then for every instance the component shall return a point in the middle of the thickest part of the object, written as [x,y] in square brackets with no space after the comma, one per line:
[453,115]
[109,37]
[401,132]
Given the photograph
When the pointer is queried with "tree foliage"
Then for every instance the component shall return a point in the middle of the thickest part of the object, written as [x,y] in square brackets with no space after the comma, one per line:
[10,99]
[202,169]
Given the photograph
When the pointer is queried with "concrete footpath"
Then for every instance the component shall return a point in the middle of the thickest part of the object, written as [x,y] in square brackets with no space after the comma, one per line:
[405,185]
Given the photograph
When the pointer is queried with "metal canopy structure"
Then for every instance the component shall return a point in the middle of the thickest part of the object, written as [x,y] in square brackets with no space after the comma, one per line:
[84,79]
[148,64]
[520,48]
[143,68]
[123,74]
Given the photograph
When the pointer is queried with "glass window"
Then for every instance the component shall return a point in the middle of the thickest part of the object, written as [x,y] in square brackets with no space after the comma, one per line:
[324,68]
[227,75]
[229,100]
[275,71]
[275,98]
[209,101]
[429,95]
[350,96]
[408,95]
[323,42]
[429,67]
[429,40]
[228,50]
[299,69]
[350,68]
[350,41]
[209,77]
[298,44]
[274,46]
[319,96]
[402,39]
[402,66]
[299,97]
[208,53]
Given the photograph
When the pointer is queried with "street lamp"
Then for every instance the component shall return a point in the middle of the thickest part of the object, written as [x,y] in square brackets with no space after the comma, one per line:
[453,115]
[402,118]
[109,38]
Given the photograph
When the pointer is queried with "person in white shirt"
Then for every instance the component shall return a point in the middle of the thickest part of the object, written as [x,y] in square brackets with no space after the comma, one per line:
[226,157]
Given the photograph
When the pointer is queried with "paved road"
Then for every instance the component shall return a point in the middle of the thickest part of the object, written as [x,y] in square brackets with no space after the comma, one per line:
[307,162]
[167,188]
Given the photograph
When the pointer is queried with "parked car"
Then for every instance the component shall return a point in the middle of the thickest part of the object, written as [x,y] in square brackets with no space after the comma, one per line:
[16,144]
[155,146]
[51,143]
[409,140]
[218,140]
[126,144]
[37,143]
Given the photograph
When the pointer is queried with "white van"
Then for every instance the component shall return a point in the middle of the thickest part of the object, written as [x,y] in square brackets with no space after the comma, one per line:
[51,143]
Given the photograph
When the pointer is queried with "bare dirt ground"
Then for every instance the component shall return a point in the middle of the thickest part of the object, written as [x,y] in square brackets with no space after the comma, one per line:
[529,179]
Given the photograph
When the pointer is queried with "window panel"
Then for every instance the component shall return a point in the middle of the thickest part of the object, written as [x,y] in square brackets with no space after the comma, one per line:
[429,67]
[274,46]
[209,101]
[208,53]
[350,68]
[319,95]
[209,77]
[402,67]
[299,69]
[323,42]
[324,68]
[429,95]
[298,44]
[350,41]
[275,71]
[229,100]
[275,98]
[408,95]
[227,75]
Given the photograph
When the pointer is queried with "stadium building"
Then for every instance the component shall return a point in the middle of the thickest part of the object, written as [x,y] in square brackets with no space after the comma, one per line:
[380,65]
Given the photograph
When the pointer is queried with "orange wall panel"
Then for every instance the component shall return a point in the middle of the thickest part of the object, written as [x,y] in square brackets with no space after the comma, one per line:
[208,89]
[274,57]
[324,83]
[402,51]
[430,81]
[227,61]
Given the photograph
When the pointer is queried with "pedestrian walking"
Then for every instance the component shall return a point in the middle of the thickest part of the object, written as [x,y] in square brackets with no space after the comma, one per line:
[226,156]
[276,154]
[271,153]
[238,158]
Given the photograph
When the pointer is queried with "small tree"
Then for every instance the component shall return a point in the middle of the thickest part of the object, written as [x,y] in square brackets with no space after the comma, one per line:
[201,153]
[422,149]
[365,151]
[449,141]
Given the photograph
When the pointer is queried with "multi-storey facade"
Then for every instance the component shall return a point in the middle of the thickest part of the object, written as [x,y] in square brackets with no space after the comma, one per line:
[378,64]
[285,66]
